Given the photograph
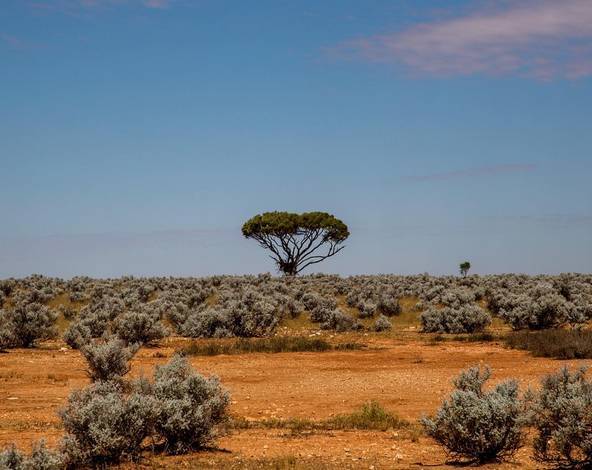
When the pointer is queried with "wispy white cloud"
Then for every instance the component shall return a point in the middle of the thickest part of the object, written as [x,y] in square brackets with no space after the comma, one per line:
[544,39]
[475,172]
[73,5]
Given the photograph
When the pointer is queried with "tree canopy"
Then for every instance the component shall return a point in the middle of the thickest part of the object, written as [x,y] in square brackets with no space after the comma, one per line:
[297,241]
[464,267]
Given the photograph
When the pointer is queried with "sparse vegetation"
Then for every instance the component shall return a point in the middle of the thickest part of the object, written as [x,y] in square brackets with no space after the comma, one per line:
[179,411]
[467,338]
[276,344]
[558,343]
[370,417]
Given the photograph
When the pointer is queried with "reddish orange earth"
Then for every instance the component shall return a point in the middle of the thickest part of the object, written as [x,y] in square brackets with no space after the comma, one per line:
[409,377]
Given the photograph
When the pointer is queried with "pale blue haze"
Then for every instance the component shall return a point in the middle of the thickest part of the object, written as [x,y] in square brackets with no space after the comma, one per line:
[136,140]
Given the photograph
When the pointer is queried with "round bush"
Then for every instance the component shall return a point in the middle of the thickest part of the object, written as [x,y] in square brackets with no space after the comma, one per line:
[190,407]
[480,425]
[467,319]
[562,417]
[25,324]
[104,425]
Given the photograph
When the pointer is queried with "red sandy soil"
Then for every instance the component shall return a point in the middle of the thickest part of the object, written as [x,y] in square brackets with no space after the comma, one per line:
[409,377]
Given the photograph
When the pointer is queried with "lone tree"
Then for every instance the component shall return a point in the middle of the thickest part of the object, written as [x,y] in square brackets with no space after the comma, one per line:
[464,268]
[297,240]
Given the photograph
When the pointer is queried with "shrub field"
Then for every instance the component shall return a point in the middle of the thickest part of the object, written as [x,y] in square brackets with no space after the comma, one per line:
[295,372]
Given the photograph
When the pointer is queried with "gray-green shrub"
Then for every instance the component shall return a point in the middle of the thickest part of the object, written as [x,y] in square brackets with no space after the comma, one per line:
[541,307]
[339,321]
[11,458]
[190,408]
[26,323]
[480,425]
[382,323]
[108,360]
[465,319]
[104,425]
[562,417]
[139,328]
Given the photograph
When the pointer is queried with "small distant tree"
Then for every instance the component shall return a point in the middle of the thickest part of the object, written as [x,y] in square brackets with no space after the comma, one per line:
[297,241]
[464,268]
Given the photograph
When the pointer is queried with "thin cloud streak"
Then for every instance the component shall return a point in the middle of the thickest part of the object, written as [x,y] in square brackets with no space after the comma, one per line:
[483,171]
[542,39]
[71,6]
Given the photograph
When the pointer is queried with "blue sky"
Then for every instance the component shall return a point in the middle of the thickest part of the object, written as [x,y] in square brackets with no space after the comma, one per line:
[137,135]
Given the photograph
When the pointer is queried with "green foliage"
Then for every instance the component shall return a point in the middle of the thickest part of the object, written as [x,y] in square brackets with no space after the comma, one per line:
[286,223]
[464,268]
[293,239]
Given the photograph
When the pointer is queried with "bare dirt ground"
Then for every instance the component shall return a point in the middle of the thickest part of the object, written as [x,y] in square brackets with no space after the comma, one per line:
[408,376]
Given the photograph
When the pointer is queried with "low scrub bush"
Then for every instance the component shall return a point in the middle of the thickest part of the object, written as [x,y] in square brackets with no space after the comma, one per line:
[140,328]
[67,311]
[389,305]
[258,319]
[367,309]
[108,360]
[40,458]
[466,319]
[88,326]
[382,323]
[339,321]
[108,421]
[562,417]
[23,325]
[104,425]
[480,425]
[190,408]
[541,308]
[558,344]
